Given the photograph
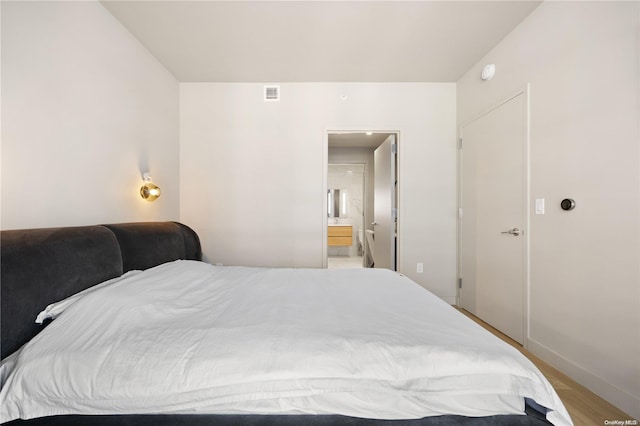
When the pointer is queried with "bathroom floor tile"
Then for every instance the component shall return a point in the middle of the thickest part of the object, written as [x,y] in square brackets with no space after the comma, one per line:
[345,262]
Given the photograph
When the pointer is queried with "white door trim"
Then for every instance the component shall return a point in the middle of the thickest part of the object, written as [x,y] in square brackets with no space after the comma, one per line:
[399,171]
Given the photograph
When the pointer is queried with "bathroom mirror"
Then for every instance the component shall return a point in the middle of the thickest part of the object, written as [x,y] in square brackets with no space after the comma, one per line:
[337,203]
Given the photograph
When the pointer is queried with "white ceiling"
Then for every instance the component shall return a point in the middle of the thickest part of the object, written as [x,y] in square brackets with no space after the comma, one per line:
[357,140]
[319,41]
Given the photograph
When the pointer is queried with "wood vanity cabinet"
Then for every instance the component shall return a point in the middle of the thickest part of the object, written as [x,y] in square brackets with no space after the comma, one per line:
[340,235]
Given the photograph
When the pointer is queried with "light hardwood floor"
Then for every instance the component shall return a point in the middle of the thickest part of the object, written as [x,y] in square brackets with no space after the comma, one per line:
[585,407]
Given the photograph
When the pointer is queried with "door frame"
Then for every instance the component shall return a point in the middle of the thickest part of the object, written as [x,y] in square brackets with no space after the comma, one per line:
[526,190]
[325,187]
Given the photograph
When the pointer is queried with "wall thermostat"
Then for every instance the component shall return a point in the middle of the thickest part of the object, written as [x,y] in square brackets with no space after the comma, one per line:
[568,204]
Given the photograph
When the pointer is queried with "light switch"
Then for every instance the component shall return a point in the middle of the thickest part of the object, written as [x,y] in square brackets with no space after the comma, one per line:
[539,206]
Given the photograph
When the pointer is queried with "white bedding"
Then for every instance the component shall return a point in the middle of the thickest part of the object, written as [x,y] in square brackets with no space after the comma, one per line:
[189,337]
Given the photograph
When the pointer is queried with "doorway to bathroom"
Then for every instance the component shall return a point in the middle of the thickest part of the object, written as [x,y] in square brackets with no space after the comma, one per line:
[361,200]
[345,215]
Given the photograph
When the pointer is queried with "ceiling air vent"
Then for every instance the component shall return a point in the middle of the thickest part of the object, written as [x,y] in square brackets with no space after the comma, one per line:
[271,93]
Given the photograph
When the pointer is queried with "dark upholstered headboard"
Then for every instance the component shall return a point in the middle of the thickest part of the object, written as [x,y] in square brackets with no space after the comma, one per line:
[42,266]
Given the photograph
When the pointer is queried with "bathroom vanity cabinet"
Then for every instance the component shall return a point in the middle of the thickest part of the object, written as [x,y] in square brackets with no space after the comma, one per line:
[340,235]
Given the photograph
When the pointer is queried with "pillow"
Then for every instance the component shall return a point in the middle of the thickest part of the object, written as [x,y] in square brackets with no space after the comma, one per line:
[55,309]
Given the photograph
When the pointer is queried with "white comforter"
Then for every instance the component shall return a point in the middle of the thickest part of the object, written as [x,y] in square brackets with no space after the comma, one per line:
[189,337]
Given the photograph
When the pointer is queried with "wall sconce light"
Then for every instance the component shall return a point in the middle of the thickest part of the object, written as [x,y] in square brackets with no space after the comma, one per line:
[149,191]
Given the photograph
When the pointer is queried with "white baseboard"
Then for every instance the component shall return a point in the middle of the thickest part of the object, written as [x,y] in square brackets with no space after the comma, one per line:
[452,300]
[628,403]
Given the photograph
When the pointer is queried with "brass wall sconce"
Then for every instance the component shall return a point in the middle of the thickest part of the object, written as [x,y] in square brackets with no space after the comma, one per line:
[149,191]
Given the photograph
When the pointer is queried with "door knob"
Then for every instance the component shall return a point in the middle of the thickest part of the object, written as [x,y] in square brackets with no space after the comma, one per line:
[374,223]
[514,231]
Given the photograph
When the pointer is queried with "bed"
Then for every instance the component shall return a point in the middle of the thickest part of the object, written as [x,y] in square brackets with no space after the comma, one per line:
[137,330]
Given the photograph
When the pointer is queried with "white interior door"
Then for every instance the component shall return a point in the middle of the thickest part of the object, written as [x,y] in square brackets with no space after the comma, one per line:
[493,238]
[384,205]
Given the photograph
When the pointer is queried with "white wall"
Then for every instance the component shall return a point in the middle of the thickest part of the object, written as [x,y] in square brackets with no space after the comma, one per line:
[85,108]
[581,59]
[252,172]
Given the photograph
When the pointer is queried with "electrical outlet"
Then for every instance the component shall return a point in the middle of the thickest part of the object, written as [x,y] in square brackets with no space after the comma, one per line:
[420,267]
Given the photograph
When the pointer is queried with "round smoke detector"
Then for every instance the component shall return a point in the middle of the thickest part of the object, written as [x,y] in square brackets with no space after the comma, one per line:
[488,72]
